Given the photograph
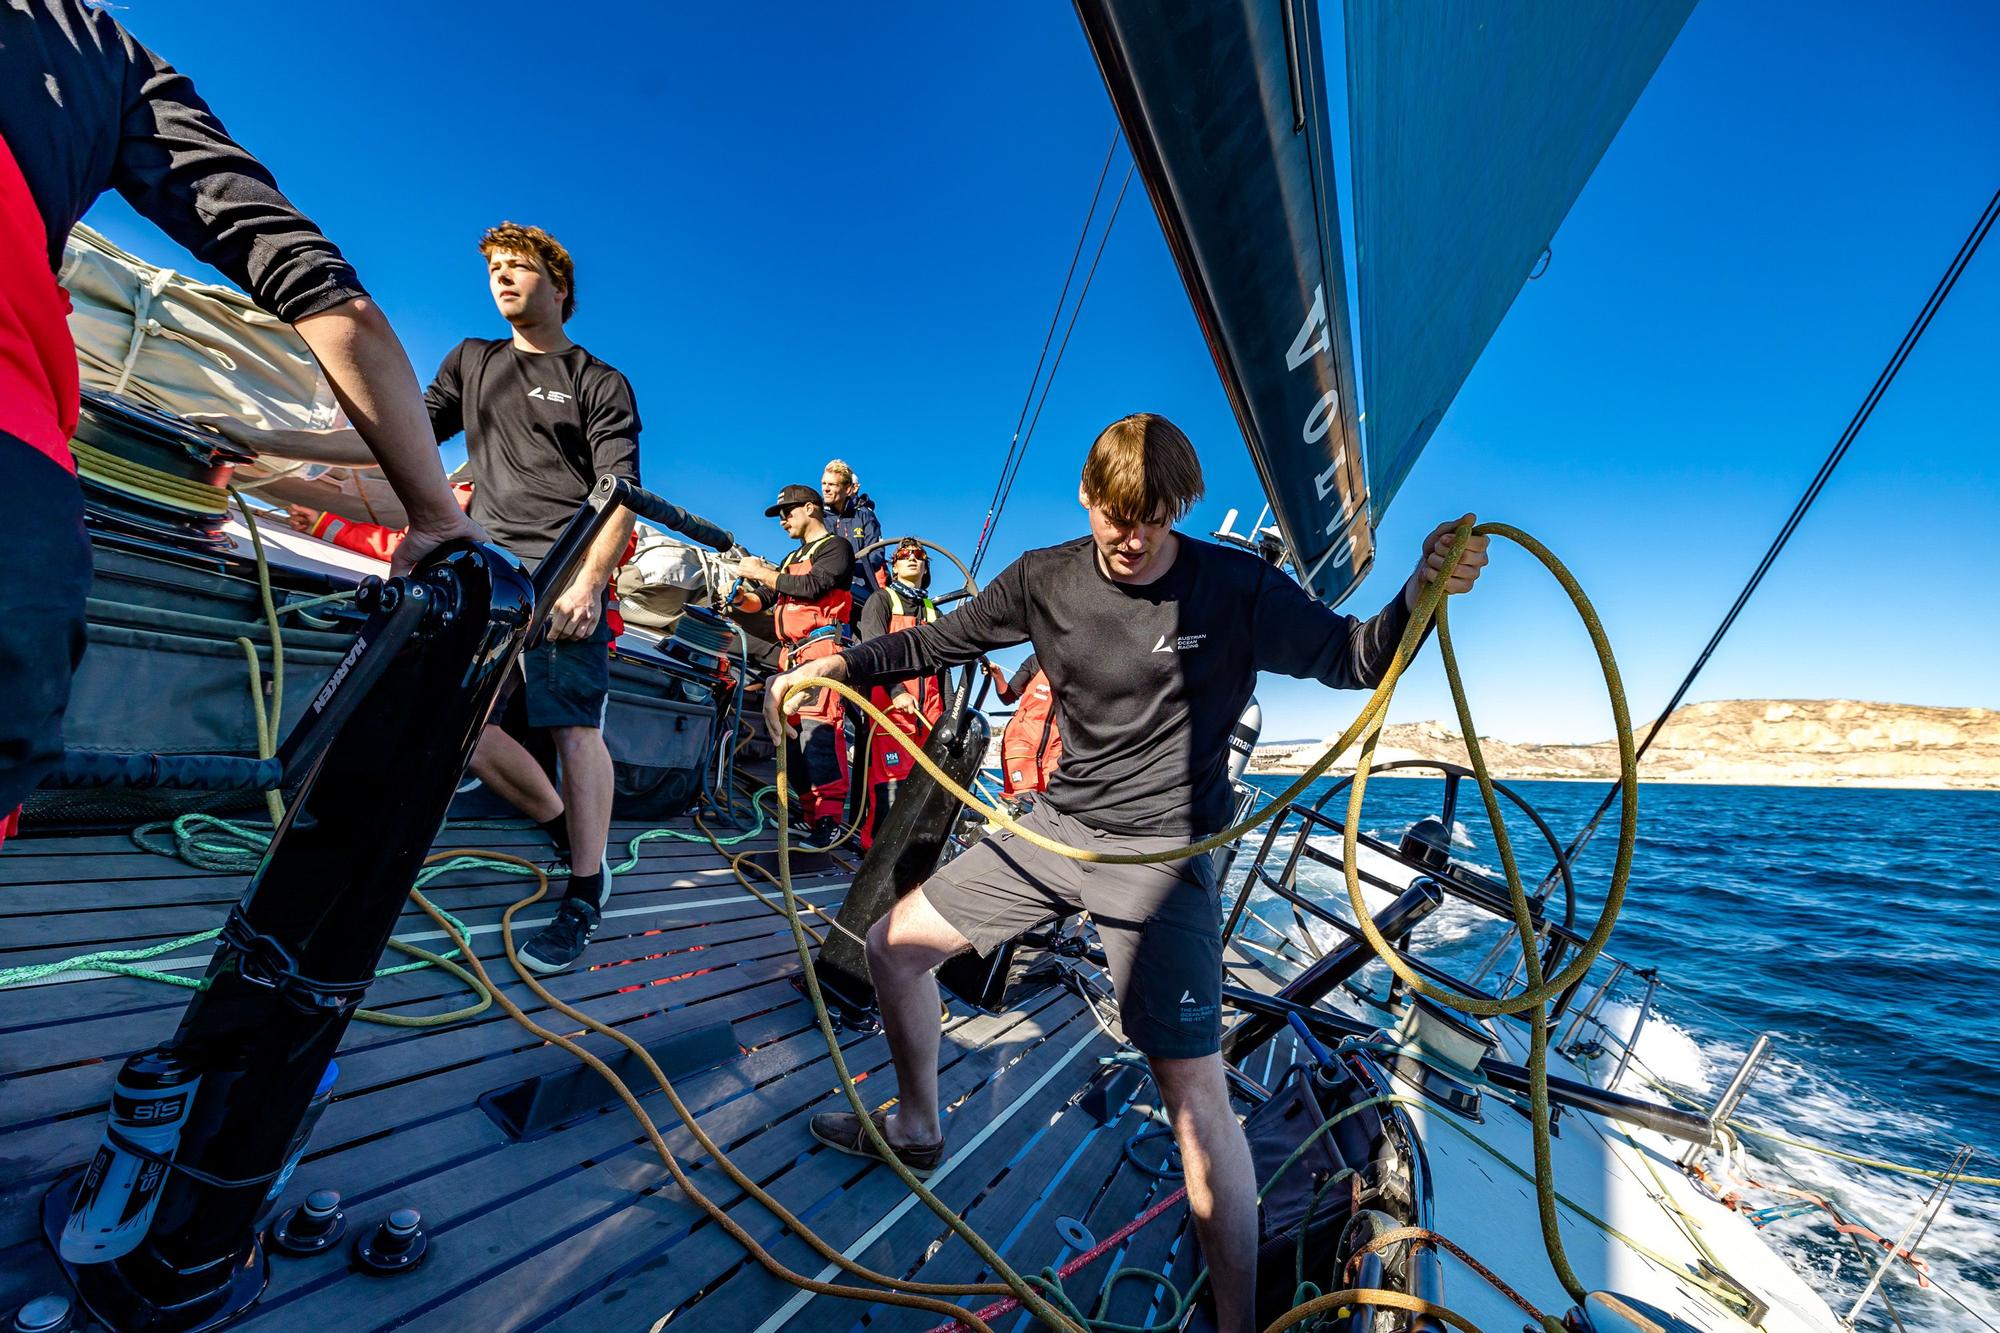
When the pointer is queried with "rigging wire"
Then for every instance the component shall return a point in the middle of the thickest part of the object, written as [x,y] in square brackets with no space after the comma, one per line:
[1812,491]
[1077,309]
[1055,317]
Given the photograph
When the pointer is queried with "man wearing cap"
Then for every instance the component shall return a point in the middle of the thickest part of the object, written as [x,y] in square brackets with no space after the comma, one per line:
[815,599]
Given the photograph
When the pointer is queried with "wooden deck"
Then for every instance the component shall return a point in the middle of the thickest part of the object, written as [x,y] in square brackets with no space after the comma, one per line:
[583,1228]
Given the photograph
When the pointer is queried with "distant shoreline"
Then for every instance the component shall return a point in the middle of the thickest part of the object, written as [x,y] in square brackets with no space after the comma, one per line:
[1925,783]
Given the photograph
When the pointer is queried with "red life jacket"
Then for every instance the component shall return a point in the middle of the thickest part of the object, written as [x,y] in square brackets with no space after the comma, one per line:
[38,377]
[889,753]
[797,619]
[1031,746]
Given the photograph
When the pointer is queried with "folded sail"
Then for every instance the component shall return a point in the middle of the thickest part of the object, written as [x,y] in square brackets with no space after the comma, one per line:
[1224,105]
[1474,128]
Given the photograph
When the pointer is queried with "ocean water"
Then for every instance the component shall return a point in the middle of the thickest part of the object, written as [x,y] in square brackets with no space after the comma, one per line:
[1860,928]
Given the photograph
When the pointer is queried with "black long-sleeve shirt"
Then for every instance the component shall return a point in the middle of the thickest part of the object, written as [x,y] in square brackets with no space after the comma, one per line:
[85,107]
[1149,680]
[832,567]
[540,431]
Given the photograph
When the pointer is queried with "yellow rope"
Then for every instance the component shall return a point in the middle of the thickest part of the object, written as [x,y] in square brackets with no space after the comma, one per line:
[897,1291]
[148,483]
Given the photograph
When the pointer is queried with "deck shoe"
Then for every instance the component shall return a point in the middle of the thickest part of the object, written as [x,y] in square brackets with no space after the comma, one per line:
[842,1130]
[558,945]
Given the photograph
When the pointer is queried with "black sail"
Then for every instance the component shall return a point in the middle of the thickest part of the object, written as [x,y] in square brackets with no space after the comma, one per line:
[1224,106]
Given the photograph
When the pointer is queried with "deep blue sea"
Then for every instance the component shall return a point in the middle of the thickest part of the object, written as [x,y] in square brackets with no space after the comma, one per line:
[1860,928]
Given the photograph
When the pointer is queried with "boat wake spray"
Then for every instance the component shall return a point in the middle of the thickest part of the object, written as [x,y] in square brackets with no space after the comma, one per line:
[121,1187]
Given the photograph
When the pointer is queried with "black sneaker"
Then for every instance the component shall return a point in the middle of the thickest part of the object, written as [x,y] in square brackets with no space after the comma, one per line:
[826,833]
[558,945]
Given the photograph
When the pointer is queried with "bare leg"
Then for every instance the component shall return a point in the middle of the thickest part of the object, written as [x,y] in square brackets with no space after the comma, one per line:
[1221,1183]
[904,949]
[587,787]
[505,766]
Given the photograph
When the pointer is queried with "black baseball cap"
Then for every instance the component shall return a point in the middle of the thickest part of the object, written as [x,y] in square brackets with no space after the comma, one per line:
[792,495]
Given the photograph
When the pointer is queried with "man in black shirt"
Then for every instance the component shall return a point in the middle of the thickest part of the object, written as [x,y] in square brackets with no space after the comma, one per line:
[85,108]
[543,420]
[1153,642]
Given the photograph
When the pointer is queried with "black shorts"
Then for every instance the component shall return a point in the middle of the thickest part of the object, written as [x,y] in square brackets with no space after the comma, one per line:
[41,613]
[1161,925]
[567,682]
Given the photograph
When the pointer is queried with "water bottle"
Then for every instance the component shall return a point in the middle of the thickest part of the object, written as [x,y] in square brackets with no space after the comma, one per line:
[314,1109]
[121,1188]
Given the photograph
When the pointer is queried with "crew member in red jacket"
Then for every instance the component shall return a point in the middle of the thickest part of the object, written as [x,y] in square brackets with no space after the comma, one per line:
[1031,746]
[84,107]
[915,704]
[815,599]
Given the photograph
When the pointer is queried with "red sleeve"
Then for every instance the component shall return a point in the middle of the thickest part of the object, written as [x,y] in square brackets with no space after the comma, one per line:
[370,539]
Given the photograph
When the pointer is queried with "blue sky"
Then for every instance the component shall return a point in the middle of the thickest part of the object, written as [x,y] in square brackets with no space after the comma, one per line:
[807,231]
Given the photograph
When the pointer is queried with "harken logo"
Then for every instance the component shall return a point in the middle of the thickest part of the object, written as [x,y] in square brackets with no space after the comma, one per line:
[1184,643]
[549,395]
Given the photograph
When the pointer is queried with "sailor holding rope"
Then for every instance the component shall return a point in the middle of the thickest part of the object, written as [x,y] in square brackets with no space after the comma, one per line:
[1152,642]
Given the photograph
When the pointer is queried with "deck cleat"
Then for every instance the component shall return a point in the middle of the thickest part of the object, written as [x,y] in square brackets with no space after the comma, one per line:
[397,1246]
[310,1227]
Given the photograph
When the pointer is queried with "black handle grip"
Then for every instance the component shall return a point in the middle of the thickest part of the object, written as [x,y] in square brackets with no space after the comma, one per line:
[180,772]
[669,515]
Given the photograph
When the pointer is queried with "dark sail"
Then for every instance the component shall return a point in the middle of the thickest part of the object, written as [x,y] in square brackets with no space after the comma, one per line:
[1225,108]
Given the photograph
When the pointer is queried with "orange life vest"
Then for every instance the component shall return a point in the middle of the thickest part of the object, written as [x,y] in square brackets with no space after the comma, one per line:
[797,619]
[1031,746]
[889,753]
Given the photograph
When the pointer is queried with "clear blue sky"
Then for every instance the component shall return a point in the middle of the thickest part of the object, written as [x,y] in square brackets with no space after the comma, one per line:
[807,231]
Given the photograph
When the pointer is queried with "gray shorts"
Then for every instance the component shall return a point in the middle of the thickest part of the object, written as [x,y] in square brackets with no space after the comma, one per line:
[1161,925]
[567,682]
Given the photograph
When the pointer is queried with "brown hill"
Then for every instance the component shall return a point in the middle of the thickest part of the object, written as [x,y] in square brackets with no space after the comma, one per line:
[1805,742]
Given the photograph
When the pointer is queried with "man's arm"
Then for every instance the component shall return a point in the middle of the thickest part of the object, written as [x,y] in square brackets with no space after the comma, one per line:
[179,167]
[832,568]
[344,446]
[996,618]
[371,376]
[877,571]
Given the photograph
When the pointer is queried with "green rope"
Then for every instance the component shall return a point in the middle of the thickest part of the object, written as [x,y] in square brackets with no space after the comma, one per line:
[210,842]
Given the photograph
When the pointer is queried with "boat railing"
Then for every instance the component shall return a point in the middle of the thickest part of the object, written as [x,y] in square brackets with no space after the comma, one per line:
[1301,823]
[1591,1032]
